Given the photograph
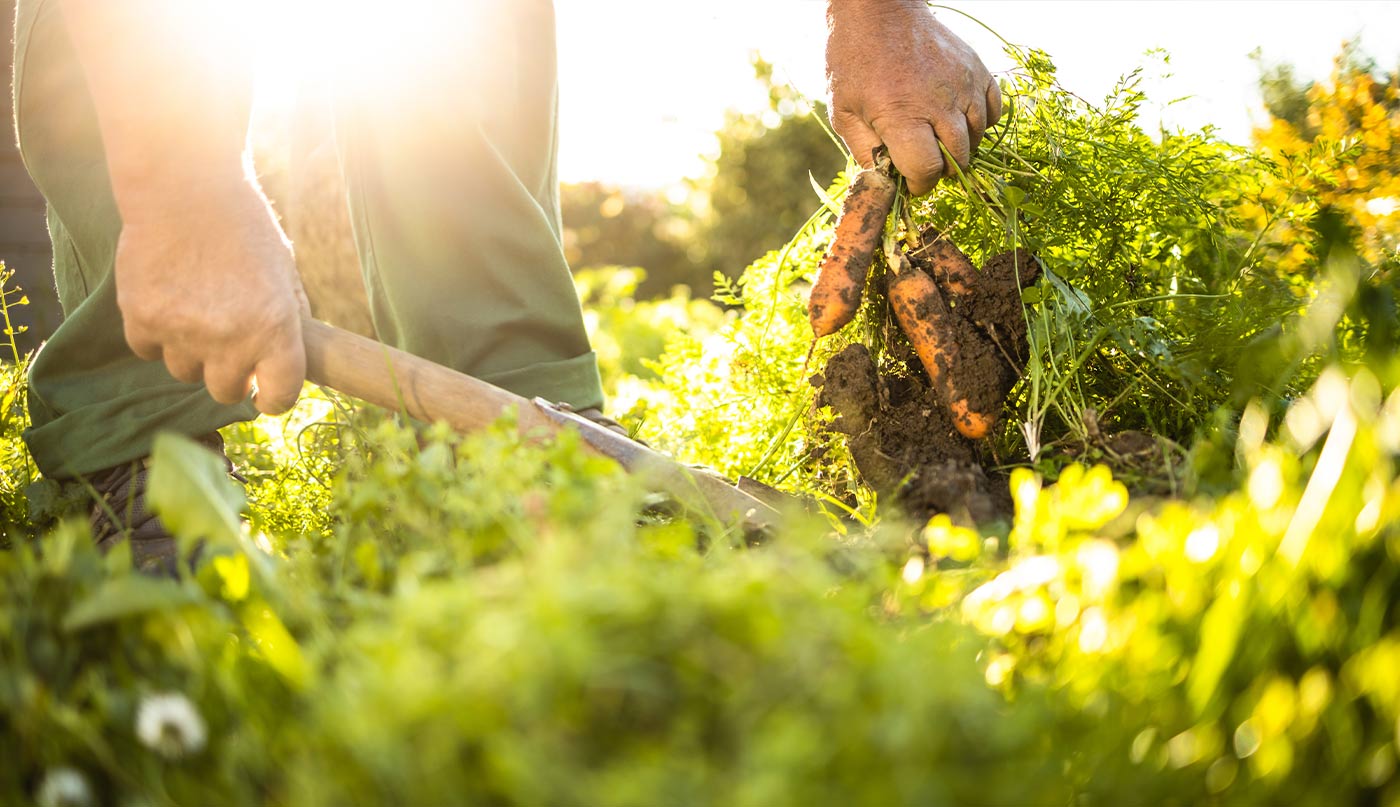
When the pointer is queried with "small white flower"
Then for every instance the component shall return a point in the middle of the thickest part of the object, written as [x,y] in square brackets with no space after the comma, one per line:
[63,787]
[169,724]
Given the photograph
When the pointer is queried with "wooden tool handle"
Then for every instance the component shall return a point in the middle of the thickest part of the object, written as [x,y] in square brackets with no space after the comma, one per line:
[400,381]
[429,392]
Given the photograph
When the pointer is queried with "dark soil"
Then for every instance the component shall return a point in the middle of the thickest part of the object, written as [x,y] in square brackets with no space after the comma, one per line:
[995,303]
[903,443]
[1150,465]
[898,427]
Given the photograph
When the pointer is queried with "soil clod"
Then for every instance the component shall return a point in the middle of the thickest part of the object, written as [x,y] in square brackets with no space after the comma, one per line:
[902,440]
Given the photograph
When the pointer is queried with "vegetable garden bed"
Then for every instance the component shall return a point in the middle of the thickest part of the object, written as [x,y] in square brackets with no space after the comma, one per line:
[1169,573]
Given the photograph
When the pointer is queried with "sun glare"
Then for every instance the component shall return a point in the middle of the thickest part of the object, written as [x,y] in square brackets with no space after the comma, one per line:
[357,46]
[644,85]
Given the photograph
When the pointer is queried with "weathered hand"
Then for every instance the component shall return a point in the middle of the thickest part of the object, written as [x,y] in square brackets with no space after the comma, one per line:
[210,288]
[899,77]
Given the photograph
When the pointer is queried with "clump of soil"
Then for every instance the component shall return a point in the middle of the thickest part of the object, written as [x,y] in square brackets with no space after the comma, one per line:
[903,442]
[898,425]
[1149,464]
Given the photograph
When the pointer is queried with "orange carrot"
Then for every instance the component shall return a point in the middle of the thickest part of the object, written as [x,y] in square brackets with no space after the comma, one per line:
[949,266]
[970,424]
[931,327]
[846,265]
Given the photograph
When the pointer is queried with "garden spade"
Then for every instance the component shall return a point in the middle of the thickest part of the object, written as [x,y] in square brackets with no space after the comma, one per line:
[393,379]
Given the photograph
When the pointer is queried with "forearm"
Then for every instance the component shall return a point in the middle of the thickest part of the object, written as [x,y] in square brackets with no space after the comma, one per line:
[838,11]
[871,5]
[172,86]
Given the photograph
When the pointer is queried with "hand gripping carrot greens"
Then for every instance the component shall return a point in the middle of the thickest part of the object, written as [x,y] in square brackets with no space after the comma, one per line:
[841,278]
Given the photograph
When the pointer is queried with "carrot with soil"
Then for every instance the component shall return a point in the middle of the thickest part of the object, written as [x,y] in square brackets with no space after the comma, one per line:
[947,264]
[961,362]
[844,269]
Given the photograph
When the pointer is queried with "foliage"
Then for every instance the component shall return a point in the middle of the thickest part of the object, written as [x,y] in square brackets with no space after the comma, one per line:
[1152,283]
[14,459]
[606,226]
[1334,183]
[492,621]
[1336,146]
[756,191]
[488,621]
[12,299]
[1152,287]
[736,399]
[629,333]
[1251,637]
[404,615]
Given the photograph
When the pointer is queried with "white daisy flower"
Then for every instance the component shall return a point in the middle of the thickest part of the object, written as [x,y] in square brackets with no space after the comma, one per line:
[63,787]
[169,724]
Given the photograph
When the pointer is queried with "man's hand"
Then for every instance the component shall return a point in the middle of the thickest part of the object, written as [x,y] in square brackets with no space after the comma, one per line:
[210,288]
[900,78]
[205,279]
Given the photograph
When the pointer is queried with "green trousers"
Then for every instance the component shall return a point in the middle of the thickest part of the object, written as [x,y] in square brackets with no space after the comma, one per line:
[448,156]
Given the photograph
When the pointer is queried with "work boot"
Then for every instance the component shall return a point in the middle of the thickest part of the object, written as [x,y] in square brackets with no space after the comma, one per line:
[120,513]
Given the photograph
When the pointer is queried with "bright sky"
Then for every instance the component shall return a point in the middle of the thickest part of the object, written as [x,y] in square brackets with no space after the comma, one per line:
[644,83]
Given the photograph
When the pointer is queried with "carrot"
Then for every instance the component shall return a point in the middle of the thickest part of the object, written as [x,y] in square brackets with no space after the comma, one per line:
[949,266]
[932,328]
[846,265]
[970,424]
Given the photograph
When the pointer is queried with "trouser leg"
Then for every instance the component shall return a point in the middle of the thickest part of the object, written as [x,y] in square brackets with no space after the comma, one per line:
[93,403]
[447,139]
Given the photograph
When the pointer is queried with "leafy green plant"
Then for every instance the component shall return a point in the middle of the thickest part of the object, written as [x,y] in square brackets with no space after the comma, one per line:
[393,613]
[20,472]
[1247,636]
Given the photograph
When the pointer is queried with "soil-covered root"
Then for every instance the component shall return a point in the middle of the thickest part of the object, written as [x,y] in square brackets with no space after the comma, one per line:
[946,264]
[850,386]
[960,489]
[911,435]
[1149,464]
[902,441]
[961,362]
[986,311]
[845,267]
[995,303]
